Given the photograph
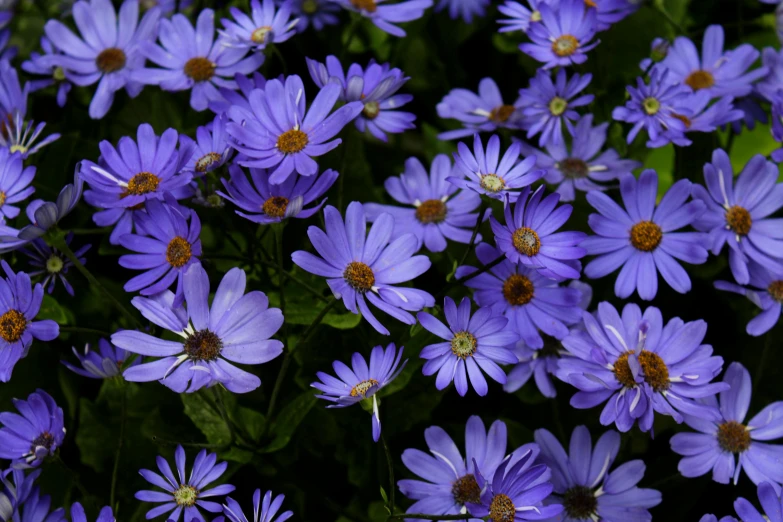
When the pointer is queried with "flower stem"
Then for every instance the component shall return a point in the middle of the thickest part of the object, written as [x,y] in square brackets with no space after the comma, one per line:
[482,208]
[421,516]
[298,281]
[669,18]
[120,442]
[486,268]
[279,255]
[74,476]
[79,329]
[390,465]
[224,414]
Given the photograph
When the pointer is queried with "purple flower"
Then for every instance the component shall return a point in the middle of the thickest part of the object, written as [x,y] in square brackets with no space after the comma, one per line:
[438,212]
[713,518]
[449,480]
[13,100]
[20,136]
[548,105]
[584,164]
[375,87]
[520,17]
[229,97]
[15,180]
[739,215]
[720,73]
[38,64]
[15,488]
[192,59]
[36,509]
[772,83]
[766,292]
[78,514]
[357,268]
[719,441]
[583,483]
[482,112]
[168,248]
[108,51]
[385,15]
[276,131]
[640,366]
[361,382]
[28,438]
[265,511]
[265,203]
[53,264]
[702,118]
[564,35]
[185,492]
[610,12]
[318,13]
[490,175]
[642,239]
[770,500]
[211,148]
[472,344]
[236,329]
[659,48]
[465,9]
[777,127]
[529,236]
[263,26]
[100,365]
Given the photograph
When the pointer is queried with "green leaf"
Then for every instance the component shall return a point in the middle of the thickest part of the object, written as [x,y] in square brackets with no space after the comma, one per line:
[289,419]
[206,417]
[94,437]
[51,309]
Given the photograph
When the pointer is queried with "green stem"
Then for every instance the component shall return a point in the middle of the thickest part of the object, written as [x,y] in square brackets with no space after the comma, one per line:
[74,476]
[166,442]
[79,329]
[275,51]
[669,19]
[348,40]
[772,334]
[390,465]
[224,414]
[90,231]
[298,281]
[120,442]
[468,250]
[421,516]
[456,282]
[279,255]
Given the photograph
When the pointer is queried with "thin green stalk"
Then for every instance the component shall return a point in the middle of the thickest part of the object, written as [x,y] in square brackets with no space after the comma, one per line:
[224,414]
[456,282]
[390,465]
[120,442]
[348,40]
[421,516]
[770,335]
[79,329]
[279,255]
[275,51]
[468,250]
[298,281]
[669,19]
[74,476]
[167,442]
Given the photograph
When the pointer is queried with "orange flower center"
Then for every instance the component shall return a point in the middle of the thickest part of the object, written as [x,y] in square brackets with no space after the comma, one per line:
[565,45]
[501,113]
[178,253]
[200,69]
[431,211]
[654,370]
[110,60]
[292,141]
[365,5]
[646,236]
[502,509]
[700,79]
[363,387]
[518,290]
[733,437]
[739,220]
[140,184]
[275,206]
[359,276]
[526,241]
[12,325]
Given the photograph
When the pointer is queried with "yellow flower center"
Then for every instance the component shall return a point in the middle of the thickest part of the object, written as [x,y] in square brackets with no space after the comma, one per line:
[275,206]
[526,241]
[12,325]
[646,236]
[502,509]
[518,290]
[259,35]
[651,106]
[141,183]
[565,45]
[558,106]
[431,211]
[359,276]
[492,183]
[200,69]
[186,496]
[292,141]
[363,387]
[178,252]
[463,345]
[700,79]
[371,110]
[207,160]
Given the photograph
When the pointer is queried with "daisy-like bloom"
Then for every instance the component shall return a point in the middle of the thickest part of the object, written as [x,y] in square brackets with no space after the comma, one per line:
[385,15]
[263,511]
[238,96]
[318,13]
[585,486]
[191,59]
[471,344]
[185,493]
[770,500]
[581,165]
[104,364]
[16,487]
[15,180]
[660,107]
[548,106]
[52,264]
[484,111]
[78,514]
[361,382]
[211,148]
[659,48]
[739,215]
[263,26]
[530,235]
[52,74]
[703,118]
[564,35]
[20,303]
[771,83]
[235,329]
[435,211]
[728,445]
[640,366]
[276,131]
[489,174]
[20,136]
[264,203]
[449,480]
[36,507]
[642,239]
[520,16]
[360,270]
[766,292]
[169,247]
[375,87]
[13,99]
[108,51]
[465,9]
[28,438]
[721,73]
[608,12]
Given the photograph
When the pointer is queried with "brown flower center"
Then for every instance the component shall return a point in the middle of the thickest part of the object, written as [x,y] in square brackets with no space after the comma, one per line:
[141,183]
[203,345]
[580,503]
[207,160]
[518,290]
[45,440]
[565,45]
[186,496]
[700,80]
[363,387]
[365,5]
[466,489]
[684,119]
[371,110]
[574,168]
[431,211]
[275,206]
[463,345]
[110,60]
[502,509]
[359,276]
[733,437]
[775,290]
[2,198]
[12,325]
[654,370]
[591,3]
[739,220]
[492,183]
[646,236]
[200,69]
[526,241]
[178,253]
[501,113]
[259,35]
[292,141]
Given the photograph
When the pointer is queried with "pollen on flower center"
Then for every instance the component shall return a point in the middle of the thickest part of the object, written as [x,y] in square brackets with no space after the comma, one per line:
[142,183]
[654,370]
[12,325]
[565,45]
[733,437]
[651,106]
[574,168]
[207,160]
[363,387]
[275,206]
[775,290]
[292,141]
[463,345]
[200,69]
[558,105]
[700,79]
[739,220]
[203,345]
[535,16]
[2,198]
[359,276]
[371,110]
[580,502]
[502,509]
[110,60]
[365,5]
[492,183]
[501,113]
[518,290]
[309,6]
[465,489]
[54,264]
[646,236]
[431,211]
[185,495]
[178,253]
[526,241]
[259,35]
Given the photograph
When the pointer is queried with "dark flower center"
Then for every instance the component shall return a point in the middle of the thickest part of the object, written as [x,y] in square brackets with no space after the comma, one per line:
[492,183]
[44,440]
[359,276]
[200,69]
[775,290]
[203,345]
[12,325]
[551,347]
[365,5]
[292,141]
[431,211]
[463,345]
[558,105]
[651,106]
[501,113]
[700,80]
[259,35]
[654,370]
[565,45]
[739,220]
[363,387]
[733,437]
[371,110]
[178,253]
[466,489]
[275,206]
[518,290]
[142,183]
[580,503]
[207,160]
[502,509]
[684,119]
[185,495]
[526,241]
[574,168]
[110,60]
[646,236]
